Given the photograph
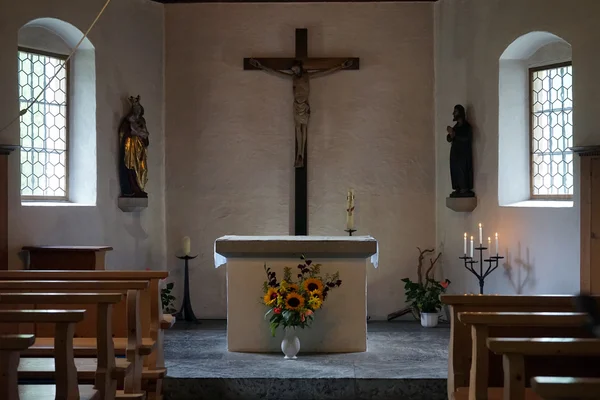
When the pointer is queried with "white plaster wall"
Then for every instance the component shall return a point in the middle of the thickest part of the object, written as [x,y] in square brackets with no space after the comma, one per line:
[230,134]
[35,37]
[129,60]
[542,245]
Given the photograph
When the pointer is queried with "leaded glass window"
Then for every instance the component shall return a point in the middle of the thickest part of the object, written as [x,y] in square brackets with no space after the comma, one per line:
[44,128]
[552,131]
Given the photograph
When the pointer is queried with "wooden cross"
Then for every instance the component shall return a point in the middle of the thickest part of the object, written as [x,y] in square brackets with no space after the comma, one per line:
[311,66]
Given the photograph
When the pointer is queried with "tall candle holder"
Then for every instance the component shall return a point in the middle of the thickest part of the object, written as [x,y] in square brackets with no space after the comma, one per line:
[186,313]
[350,231]
[492,262]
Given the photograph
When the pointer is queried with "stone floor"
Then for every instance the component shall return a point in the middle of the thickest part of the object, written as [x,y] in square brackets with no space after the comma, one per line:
[404,361]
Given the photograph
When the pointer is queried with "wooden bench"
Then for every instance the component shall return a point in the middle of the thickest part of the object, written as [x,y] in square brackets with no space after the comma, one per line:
[514,351]
[132,346]
[459,352]
[149,305]
[66,386]
[563,388]
[520,324]
[105,371]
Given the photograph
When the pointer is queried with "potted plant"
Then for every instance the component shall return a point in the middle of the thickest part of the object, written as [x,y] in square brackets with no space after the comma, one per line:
[167,299]
[425,297]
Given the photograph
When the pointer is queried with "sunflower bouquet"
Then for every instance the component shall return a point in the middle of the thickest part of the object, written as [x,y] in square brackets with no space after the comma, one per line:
[293,304]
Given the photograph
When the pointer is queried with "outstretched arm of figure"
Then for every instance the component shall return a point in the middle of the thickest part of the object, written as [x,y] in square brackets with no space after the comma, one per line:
[256,64]
[346,64]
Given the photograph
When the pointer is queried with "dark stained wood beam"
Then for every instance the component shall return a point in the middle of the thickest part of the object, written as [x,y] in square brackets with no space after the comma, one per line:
[308,63]
[292,1]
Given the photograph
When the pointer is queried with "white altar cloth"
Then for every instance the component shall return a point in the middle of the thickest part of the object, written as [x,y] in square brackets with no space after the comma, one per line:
[340,326]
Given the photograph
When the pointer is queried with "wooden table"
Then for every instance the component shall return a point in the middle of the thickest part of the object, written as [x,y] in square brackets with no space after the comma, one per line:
[67,257]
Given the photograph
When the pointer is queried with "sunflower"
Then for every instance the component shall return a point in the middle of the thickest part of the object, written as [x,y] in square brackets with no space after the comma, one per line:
[294,301]
[292,287]
[271,296]
[315,302]
[312,284]
[317,293]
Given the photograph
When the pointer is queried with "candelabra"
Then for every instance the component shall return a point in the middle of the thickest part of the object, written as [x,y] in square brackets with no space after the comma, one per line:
[470,265]
[186,313]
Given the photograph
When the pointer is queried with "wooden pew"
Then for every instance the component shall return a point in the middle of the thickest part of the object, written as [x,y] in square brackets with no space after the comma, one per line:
[566,388]
[105,370]
[150,304]
[66,379]
[520,323]
[514,351]
[459,352]
[131,346]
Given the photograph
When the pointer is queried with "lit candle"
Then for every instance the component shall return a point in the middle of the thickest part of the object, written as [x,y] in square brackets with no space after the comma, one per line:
[350,210]
[489,246]
[465,245]
[496,243]
[471,246]
[186,246]
[480,235]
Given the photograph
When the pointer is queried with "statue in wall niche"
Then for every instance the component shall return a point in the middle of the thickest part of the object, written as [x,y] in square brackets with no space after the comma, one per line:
[133,144]
[461,154]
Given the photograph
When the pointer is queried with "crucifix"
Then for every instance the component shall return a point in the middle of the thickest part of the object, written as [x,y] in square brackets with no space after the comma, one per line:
[300,69]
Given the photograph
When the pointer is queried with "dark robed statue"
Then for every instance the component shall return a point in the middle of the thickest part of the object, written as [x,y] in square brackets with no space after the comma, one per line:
[133,143]
[461,154]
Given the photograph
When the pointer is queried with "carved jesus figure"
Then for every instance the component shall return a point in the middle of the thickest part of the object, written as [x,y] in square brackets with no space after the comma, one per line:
[301,86]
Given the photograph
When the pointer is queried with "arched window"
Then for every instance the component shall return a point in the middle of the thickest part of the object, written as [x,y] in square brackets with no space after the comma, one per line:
[58,133]
[535,164]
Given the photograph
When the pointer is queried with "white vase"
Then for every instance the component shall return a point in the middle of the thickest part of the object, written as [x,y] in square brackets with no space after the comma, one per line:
[429,320]
[290,345]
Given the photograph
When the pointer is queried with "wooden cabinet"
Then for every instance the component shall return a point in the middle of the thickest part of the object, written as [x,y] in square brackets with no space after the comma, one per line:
[5,150]
[66,257]
[589,218]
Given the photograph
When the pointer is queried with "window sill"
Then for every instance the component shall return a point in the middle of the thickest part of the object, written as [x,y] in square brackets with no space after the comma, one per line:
[542,204]
[54,204]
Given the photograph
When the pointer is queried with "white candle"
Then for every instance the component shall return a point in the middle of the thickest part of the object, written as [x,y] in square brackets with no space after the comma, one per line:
[496,243]
[471,246]
[489,246]
[350,210]
[480,235]
[465,245]
[186,246]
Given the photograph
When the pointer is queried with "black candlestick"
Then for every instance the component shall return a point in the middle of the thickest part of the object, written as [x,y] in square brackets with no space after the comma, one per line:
[350,231]
[186,313]
[492,265]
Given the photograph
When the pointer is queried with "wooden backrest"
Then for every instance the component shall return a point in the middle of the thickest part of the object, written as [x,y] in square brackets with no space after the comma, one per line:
[88,327]
[547,346]
[523,319]
[41,316]
[150,302]
[16,342]
[554,388]
[459,352]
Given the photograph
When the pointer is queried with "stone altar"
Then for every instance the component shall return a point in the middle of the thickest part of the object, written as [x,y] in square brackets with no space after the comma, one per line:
[340,326]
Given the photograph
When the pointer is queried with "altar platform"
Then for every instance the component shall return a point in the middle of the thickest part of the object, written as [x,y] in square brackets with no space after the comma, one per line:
[404,361]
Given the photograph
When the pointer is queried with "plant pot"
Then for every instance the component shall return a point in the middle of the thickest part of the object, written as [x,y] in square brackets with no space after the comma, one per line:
[290,345]
[429,320]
